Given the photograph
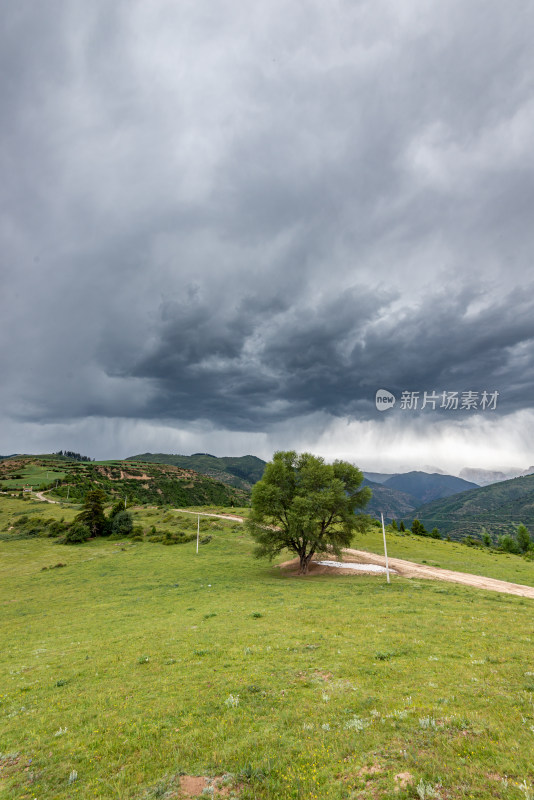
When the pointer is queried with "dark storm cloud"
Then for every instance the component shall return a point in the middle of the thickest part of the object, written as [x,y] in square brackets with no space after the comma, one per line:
[247,214]
[333,355]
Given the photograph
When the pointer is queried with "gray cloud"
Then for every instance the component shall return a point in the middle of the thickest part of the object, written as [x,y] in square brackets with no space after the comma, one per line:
[246,216]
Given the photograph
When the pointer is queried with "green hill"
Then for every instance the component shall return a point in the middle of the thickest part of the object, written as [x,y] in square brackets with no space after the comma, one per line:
[498,508]
[157,484]
[241,472]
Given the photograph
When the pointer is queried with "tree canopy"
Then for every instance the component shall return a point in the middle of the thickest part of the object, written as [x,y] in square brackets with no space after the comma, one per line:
[306,506]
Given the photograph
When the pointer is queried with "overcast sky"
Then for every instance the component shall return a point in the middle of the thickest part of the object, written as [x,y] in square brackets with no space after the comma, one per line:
[224,226]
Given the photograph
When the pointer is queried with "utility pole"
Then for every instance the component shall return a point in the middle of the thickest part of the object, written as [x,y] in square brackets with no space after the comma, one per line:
[198,530]
[385,548]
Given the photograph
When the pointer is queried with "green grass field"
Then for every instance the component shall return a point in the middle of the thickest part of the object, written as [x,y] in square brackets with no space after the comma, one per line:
[33,475]
[137,662]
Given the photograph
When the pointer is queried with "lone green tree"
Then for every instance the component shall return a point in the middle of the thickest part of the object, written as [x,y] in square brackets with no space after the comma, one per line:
[306,506]
[92,513]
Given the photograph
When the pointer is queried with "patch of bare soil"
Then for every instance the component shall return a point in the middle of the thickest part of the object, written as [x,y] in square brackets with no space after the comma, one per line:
[194,785]
[136,477]
[314,568]
[403,780]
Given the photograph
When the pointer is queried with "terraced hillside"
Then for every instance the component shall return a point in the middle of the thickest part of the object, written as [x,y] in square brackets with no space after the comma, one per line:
[241,472]
[158,484]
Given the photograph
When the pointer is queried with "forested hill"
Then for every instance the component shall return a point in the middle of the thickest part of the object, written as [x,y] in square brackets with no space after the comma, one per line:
[498,508]
[242,471]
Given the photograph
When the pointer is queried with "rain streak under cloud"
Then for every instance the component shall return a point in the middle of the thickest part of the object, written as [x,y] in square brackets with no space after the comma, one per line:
[224,227]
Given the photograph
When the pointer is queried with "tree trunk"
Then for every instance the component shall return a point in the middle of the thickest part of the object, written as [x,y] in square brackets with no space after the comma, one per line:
[304,562]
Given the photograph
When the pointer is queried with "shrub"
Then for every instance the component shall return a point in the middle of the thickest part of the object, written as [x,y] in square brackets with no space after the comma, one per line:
[418,528]
[57,528]
[178,537]
[77,533]
[122,524]
[470,541]
[118,508]
[524,542]
[508,544]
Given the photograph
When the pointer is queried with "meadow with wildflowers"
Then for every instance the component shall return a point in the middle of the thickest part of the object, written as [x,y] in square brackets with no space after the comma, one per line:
[137,666]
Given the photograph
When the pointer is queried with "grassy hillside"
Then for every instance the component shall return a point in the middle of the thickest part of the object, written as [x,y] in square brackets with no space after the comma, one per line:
[242,472]
[137,665]
[140,483]
[499,508]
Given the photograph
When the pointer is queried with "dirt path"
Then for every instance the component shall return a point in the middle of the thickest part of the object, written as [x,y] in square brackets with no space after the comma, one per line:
[207,514]
[41,496]
[408,569]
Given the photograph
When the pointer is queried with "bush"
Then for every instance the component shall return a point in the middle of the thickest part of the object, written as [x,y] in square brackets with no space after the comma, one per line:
[486,538]
[122,524]
[524,542]
[508,544]
[178,537]
[118,508]
[57,528]
[470,541]
[77,533]
[137,533]
[418,528]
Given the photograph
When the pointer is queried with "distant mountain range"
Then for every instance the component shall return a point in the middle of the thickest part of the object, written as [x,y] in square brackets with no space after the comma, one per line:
[483,477]
[397,496]
[425,488]
[378,477]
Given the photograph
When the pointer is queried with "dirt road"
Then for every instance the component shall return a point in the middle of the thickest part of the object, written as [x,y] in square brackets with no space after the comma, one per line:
[207,514]
[41,496]
[408,569]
